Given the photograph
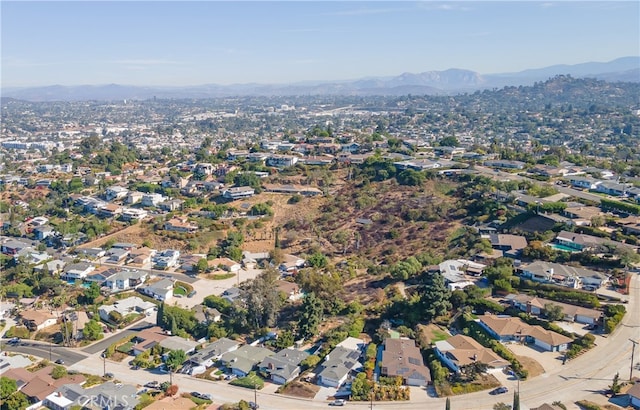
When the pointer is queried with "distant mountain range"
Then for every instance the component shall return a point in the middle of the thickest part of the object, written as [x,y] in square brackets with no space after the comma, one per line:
[447,82]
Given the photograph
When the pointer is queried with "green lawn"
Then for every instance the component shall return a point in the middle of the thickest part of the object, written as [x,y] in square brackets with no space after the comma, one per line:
[252,380]
[438,335]
[180,291]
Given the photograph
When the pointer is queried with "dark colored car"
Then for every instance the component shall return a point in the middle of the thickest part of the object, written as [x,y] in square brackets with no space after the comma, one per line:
[499,390]
[59,361]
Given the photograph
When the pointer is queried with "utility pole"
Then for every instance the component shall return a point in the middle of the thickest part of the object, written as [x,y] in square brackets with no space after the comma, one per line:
[255,395]
[633,351]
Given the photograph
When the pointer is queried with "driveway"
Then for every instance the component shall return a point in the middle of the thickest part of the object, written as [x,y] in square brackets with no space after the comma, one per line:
[205,287]
[550,361]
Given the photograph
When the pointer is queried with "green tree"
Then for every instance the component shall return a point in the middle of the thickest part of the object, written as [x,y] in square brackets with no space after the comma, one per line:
[175,358]
[310,362]
[91,293]
[202,266]
[261,300]
[501,406]
[7,387]
[58,372]
[285,339]
[311,316]
[516,400]
[317,260]
[17,401]
[615,385]
[435,297]
[553,312]
[92,330]
[160,316]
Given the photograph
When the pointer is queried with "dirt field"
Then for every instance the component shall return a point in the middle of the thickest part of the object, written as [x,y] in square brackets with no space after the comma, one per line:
[533,367]
[431,333]
[300,389]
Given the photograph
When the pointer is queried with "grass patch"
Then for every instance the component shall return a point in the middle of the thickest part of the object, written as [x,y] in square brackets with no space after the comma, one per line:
[179,290]
[482,382]
[251,381]
[221,276]
[18,331]
[125,348]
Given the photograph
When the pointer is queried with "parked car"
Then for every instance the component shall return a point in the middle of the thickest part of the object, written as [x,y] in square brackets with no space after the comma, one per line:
[337,402]
[499,390]
[59,361]
[192,294]
[253,405]
[14,341]
[109,375]
[153,385]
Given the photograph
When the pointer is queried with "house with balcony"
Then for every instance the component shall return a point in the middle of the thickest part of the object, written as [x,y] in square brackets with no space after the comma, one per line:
[78,270]
[114,193]
[238,192]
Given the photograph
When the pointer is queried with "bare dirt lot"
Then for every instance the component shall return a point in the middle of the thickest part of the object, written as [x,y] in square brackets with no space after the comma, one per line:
[300,389]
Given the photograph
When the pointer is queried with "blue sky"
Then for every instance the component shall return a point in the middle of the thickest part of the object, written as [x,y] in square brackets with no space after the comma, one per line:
[204,42]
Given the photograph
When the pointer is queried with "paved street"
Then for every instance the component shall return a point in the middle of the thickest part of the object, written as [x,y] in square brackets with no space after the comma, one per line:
[100,346]
[582,378]
[47,351]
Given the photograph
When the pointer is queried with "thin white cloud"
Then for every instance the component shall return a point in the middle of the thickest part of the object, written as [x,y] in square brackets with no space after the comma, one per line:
[449,6]
[145,62]
[363,11]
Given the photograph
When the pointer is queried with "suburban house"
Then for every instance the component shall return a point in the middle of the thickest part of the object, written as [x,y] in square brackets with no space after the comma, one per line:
[456,272]
[179,343]
[572,313]
[459,351]
[78,270]
[634,395]
[172,205]
[189,262]
[564,275]
[132,214]
[117,255]
[505,164]
[92,253]
[507,328]
[126,306]
[613,188]
[43,232]
[510,245]
[38,385]
[161,290]
[147,339]
[402,358]
[242,360]
[291,263]
[290,289]
[584,182]
[53,267]
[141,256]
[206,315]
[208,355]
[104,396]
[337,365]
[582,242]
[281,160]
[238,192]
[180,225]
[303,190]
[284,366]
[115,192]
[125,279]
[152,200]
[166,259]
[226,264]
[111,211]
[37,319]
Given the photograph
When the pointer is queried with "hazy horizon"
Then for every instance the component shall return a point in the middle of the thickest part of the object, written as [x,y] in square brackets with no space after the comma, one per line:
[173,44]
